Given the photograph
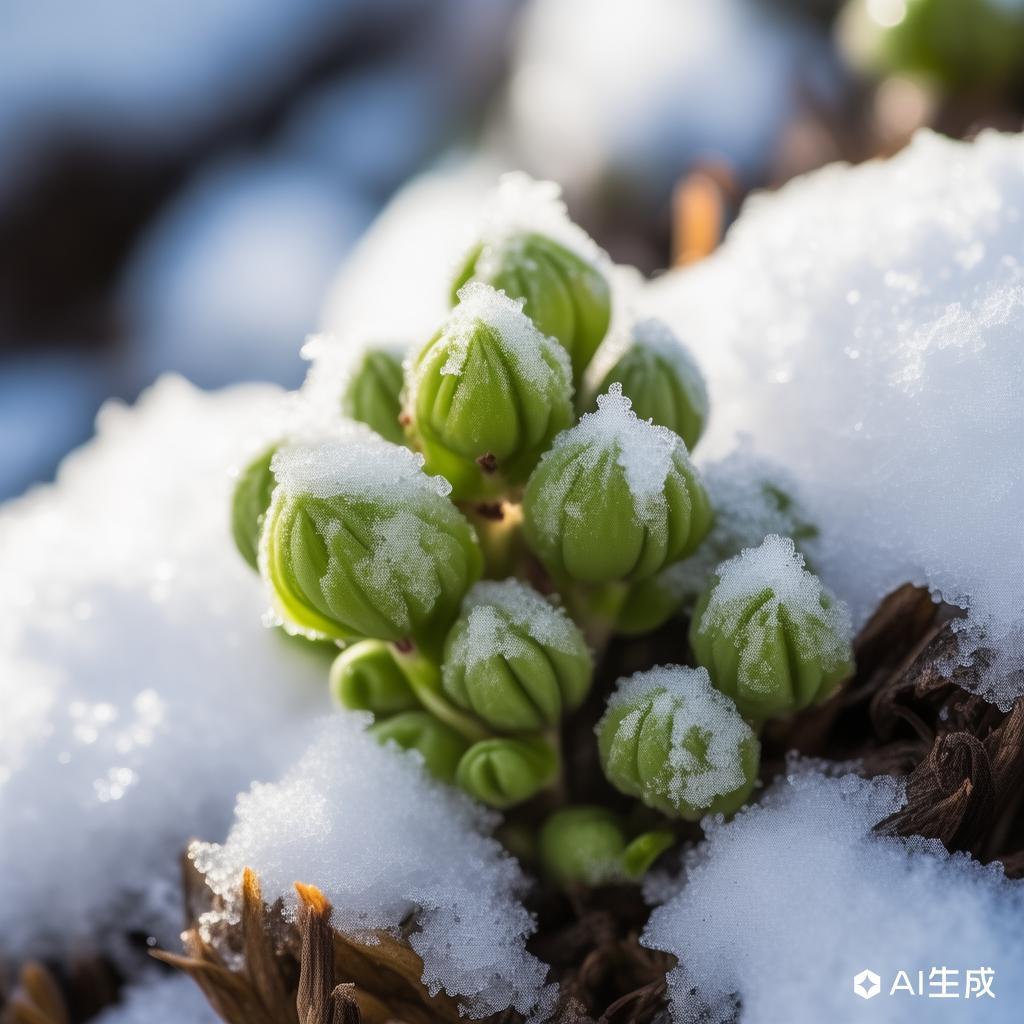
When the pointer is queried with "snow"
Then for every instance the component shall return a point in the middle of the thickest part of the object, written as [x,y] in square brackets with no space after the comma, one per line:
[637,89]
[785,904]
[540,360]
[140,690]
[863,327]
[233,274]
[498,614]
[161,999]
[686,696]
[520,207]
[383,841]
[777,568]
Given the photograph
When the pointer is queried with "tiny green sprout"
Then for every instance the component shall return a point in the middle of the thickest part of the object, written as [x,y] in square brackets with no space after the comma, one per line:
[660,378]
[249,503]
[360,543]
[770,635]
[364,677]
[373,394]
[487,394]
[671,740]
[515,660]
[530,250]
[505,771]
[440,746]
[616,498]
[589,845]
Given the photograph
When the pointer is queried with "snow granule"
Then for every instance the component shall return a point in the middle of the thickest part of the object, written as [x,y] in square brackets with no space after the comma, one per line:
[520,207]
[139,690]
[385,844]
[771,576]
[498,614]
[161,999]
[863,326]
[755,916]
[687,696]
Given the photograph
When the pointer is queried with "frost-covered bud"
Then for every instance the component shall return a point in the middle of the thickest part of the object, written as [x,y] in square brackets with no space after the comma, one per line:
[364,677]
[514,659]
[360,543]
[487,394]
[770,635]
[529,249]
[440,746]
[373,394]
[249,503]
[589,845]
[659,376]
[616,498]
[672,740]
[504,772]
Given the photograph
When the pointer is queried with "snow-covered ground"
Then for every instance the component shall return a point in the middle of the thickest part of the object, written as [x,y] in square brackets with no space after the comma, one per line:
[863,328]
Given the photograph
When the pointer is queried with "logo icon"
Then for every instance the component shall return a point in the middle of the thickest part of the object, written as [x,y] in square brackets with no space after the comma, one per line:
[867,984]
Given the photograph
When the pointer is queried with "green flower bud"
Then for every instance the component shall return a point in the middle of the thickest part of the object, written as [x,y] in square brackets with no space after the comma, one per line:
[769,634]
[487,394]
[615,498]
[364,677]
[650,604]
[440,746]
[531,250]
[588,845]
[249,503]
[373,394]
[677,744]
[359,542]
[503,772]
[660,378]
[514,659]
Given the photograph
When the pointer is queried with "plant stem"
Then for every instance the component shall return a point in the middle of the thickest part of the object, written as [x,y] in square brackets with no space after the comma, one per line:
[424,676]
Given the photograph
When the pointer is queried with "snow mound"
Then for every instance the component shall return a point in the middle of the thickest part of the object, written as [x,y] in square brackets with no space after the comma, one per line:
[385,843]
[863,326]
[756,916]
[160,999]
[140,691]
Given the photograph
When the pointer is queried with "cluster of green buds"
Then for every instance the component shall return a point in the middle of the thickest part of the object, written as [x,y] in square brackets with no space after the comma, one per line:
[468,543]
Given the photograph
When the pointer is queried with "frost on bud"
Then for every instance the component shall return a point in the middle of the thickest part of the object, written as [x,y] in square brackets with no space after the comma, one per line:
[529,249]
[680,746]
[373,394]
[514,659]
[616,498]
[249,503]
[440,746]
[770,635]
[364,677]
[589,845]
[487,394]
[360,543]
[660,378]
[503,772]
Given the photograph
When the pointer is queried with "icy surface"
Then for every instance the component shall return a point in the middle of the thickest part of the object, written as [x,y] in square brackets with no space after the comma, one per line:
[688,698]
[864,327]
[498,615]
[161,999]
[384,843]
[139,689]
[760,901]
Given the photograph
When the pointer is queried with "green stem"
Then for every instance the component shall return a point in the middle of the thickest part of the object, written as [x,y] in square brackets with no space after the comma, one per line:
[424,676]
[596,610]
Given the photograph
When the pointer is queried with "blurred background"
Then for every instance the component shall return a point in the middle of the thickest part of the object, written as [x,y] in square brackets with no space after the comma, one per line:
[184,182]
